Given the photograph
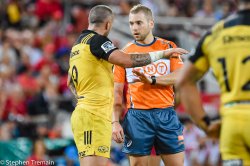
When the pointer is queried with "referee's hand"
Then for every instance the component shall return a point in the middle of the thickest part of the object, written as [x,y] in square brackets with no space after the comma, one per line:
[117,133]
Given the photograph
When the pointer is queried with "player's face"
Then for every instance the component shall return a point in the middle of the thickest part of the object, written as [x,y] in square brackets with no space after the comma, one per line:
[140,26]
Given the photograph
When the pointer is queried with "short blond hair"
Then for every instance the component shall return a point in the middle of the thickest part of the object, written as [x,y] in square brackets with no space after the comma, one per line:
[141,8]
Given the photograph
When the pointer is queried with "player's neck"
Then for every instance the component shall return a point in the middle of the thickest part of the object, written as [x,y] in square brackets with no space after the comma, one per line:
[149,39]
[100,31]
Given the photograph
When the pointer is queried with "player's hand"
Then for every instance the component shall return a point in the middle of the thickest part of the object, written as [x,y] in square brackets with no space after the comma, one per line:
[174,52]
[213,130]
[142,77]
[117,133]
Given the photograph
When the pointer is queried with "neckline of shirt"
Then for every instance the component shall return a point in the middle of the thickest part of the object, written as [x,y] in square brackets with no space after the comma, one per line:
[145,45]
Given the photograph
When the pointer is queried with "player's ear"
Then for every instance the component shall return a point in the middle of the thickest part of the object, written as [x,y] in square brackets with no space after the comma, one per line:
[108,25]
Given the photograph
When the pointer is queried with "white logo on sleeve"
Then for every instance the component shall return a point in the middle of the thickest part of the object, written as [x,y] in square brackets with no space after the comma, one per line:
[107,46]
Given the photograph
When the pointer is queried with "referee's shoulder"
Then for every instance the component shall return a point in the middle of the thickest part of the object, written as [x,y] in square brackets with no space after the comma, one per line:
[166,42]
[127,46]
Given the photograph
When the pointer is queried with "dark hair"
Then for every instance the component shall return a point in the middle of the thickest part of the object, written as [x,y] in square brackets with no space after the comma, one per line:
[99,14]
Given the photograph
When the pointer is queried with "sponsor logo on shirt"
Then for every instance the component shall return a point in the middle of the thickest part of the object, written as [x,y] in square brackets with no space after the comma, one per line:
[158,68]
[107,46]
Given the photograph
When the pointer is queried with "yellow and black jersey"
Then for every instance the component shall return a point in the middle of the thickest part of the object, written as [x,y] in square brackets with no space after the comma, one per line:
[92,73]
[226,49]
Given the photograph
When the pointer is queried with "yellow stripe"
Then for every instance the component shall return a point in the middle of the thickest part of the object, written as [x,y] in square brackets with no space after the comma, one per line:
[86,38]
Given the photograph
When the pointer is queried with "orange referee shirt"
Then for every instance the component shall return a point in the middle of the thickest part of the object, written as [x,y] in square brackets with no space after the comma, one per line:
[145,96]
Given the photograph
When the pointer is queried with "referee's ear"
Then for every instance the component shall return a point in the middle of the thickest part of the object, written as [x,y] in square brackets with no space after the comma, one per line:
[151,24]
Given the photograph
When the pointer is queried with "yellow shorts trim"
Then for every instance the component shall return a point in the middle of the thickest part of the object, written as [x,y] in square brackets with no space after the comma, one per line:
[92,134]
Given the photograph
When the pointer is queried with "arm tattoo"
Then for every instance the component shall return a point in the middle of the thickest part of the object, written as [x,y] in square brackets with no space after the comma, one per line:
[140,60]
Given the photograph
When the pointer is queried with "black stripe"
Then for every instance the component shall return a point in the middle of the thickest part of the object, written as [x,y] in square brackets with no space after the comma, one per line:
[83,35]
[199,52]
[246,59]
[88,41]
[90,137]
[240,18]
[80,38]
[87,137]
[84,137]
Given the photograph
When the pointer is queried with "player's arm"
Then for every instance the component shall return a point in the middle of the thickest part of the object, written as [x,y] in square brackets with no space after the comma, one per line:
[71,86]
[136,60]
[118,101]
[190,96]
[192,71]
[102,47]
[117,131]
[166,80]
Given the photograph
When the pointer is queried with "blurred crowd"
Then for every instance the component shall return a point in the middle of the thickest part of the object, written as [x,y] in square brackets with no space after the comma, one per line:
[35,41]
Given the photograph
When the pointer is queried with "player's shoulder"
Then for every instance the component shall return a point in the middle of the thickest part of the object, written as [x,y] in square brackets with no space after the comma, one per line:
[226,23]
[219,26]
[165,42]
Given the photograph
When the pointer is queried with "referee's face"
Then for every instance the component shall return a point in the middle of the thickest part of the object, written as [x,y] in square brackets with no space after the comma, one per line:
[140,26]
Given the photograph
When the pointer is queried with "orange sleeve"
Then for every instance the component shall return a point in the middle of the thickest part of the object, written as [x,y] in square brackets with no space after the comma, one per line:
[175,63]
[119,74]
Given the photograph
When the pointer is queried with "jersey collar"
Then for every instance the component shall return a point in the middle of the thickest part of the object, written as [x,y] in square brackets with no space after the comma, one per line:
[145,45]
[88,31]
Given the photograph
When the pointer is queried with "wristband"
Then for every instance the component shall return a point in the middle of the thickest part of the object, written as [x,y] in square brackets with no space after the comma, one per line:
[155,56]
[207,120]
[153,80]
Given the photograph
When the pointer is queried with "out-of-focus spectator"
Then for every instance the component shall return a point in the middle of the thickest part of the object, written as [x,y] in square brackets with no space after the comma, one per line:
[193,137]
[13,14]
[48,59]
[214,154]
[207,10]
[38,154]
[27,81]
[79,17]
[41,103]
[28,48]
[172,10]
[126,5]
[29,20]
[190,8]
[225,10]
[47,8]
[8,55]
[152,5]
[7,130]
[15,106]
